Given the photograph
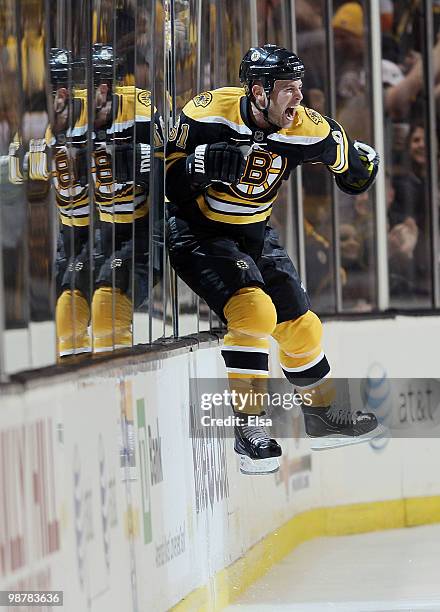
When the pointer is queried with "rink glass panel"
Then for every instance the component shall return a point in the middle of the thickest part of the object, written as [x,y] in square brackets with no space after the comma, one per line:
[13,184]
[27,222]
[71,160]
[183,78]
[434,149]
[406,154]
[207,42]
[312,42]
[160,301]
[38,196]
[274,23]
[130,238]
[355,231]
[143,52]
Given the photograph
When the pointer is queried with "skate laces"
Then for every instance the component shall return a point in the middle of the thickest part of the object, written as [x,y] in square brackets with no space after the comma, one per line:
[343,415]
[255,434]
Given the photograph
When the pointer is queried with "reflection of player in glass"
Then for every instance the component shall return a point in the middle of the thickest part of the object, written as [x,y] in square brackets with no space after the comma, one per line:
[121,259]
[226,160]
[120,112]
[67,138]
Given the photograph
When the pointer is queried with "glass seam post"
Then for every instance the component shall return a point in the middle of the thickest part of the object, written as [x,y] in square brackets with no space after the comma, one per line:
[52,200]
[3,377]
[297,185]
[254,23]
[90,177]
[199,88]
[171,78]
[152,188]
[432,148]
[334,191]
[379,144]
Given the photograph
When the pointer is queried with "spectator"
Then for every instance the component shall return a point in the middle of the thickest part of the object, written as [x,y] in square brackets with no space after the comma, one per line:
[408,243]
[355,290]
[410,186]
[348,27]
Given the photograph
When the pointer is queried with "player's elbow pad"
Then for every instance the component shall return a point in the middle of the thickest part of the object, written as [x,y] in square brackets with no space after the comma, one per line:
[352,184]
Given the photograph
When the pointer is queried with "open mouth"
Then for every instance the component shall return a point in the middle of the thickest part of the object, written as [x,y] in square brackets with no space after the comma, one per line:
[290,113]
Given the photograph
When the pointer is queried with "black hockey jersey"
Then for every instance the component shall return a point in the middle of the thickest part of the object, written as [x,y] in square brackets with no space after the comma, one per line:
[117,201]
[71,194]
[223,115]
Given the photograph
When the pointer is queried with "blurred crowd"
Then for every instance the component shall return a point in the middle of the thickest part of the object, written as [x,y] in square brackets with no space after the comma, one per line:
[406,155]
[43,121]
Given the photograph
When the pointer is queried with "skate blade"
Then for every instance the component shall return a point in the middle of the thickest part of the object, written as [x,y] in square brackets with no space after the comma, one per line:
[329,442]
[259,466]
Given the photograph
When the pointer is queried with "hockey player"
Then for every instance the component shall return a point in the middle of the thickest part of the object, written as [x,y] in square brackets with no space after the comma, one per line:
[226,160]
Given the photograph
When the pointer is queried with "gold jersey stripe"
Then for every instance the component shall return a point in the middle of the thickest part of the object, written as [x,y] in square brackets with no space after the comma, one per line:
[227,197]
[75,221]
[171,159]
[233,219]
[66,203]
[124,218]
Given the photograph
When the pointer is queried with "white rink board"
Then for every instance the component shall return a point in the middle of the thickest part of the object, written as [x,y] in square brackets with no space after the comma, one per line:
[106,496]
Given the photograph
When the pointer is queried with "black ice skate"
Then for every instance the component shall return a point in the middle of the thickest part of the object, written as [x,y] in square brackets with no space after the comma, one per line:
[333,427]
[258,453]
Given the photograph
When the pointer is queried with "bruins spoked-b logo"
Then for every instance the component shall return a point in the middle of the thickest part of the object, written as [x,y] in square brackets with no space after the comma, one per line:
[263,172]
[203,99]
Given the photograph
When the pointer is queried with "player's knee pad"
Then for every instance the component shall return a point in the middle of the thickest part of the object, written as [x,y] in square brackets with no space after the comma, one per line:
[301,355]
[72,316]
[300,338]
[111,319]
[250,312]
[251,318]
[110,309]
[72,313]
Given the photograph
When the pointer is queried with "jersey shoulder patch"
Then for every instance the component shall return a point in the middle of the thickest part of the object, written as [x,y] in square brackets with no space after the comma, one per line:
[310,125]
[203,99]
[223,102]
[143,105]
[314,115]
[143,97]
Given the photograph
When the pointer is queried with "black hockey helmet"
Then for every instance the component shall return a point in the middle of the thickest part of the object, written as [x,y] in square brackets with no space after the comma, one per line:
[64,70]
[103,62]
[60,66]
[268,64]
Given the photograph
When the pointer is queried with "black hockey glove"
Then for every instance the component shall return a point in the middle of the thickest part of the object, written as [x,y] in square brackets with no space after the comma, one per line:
[124,163]
[215,162]
[370,160]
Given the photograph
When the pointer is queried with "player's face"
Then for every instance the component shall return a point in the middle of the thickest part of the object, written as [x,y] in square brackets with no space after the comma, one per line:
[103,105]
[284,100]
[61,108]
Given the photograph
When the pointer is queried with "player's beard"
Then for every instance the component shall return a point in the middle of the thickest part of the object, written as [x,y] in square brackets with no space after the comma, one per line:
[281,119]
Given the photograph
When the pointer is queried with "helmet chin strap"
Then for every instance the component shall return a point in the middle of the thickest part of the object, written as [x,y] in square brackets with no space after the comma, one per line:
[265,110]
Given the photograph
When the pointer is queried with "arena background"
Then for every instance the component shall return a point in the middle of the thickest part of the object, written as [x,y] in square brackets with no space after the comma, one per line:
[105,490]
